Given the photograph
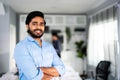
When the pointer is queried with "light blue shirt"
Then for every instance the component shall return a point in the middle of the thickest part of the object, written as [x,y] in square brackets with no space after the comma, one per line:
[29,56]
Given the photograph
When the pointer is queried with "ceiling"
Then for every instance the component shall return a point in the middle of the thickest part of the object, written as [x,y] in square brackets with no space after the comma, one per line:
[54,6]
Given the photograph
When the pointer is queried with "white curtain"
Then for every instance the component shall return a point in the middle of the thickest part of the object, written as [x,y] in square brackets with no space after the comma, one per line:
[102,36]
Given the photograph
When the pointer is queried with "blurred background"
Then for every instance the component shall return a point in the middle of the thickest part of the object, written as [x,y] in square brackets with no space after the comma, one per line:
[87,29]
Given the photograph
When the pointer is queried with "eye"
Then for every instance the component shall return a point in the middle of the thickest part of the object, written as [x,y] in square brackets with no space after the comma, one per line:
[42,24]
[34,23]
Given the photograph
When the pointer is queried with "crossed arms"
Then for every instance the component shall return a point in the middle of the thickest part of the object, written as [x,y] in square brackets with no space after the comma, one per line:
[49,73]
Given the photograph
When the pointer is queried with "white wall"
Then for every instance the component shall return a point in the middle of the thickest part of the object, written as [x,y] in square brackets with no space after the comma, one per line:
[118,46]
[4,42]
[6,48]
[12,39]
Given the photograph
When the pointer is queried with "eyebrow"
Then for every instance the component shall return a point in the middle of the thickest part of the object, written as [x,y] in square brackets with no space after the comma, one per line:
[34,22]
[37,22]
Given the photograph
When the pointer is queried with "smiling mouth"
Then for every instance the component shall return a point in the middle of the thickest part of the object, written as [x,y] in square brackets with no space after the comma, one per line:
[38,31]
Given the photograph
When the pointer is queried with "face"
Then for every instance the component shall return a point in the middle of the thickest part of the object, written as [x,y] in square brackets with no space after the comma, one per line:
[54,38]
[36,27]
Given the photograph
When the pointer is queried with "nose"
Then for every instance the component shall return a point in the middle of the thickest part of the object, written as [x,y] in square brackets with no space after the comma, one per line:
[39,26]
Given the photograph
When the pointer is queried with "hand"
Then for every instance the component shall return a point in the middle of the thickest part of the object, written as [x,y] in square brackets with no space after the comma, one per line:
[50,71]
[46,77]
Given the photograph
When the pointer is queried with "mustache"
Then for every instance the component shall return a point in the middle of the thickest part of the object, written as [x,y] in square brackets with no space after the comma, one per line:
[38,30]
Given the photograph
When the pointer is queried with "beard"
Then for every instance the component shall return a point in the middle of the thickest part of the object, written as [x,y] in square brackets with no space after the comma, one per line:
[32,33]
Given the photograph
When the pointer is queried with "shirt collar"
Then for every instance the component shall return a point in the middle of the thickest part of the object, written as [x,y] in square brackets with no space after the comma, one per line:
[33,40]
[30,38]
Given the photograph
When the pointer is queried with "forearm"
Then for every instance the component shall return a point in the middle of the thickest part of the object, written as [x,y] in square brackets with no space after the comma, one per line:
[46,77]
[50,71]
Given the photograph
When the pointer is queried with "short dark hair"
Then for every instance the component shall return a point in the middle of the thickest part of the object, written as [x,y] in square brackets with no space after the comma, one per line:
[33,14]
[54,34]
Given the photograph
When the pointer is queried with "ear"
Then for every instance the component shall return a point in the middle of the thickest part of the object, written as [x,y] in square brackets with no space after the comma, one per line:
[27,27]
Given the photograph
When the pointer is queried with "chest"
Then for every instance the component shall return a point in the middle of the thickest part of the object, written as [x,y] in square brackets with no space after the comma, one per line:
[42,56]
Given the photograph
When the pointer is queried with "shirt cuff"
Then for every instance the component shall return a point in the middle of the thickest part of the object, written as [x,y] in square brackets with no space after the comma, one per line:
[60,70]
[39,76]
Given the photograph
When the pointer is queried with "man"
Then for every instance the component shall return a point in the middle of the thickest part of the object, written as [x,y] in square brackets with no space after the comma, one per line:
[56,43]
[35,58]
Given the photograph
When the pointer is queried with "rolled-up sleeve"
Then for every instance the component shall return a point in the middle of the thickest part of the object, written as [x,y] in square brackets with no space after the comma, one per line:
[26,64]
[57,63]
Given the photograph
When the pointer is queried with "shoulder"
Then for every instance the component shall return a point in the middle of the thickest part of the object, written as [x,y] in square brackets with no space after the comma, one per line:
[47,43]
[21,44]
[21,48]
